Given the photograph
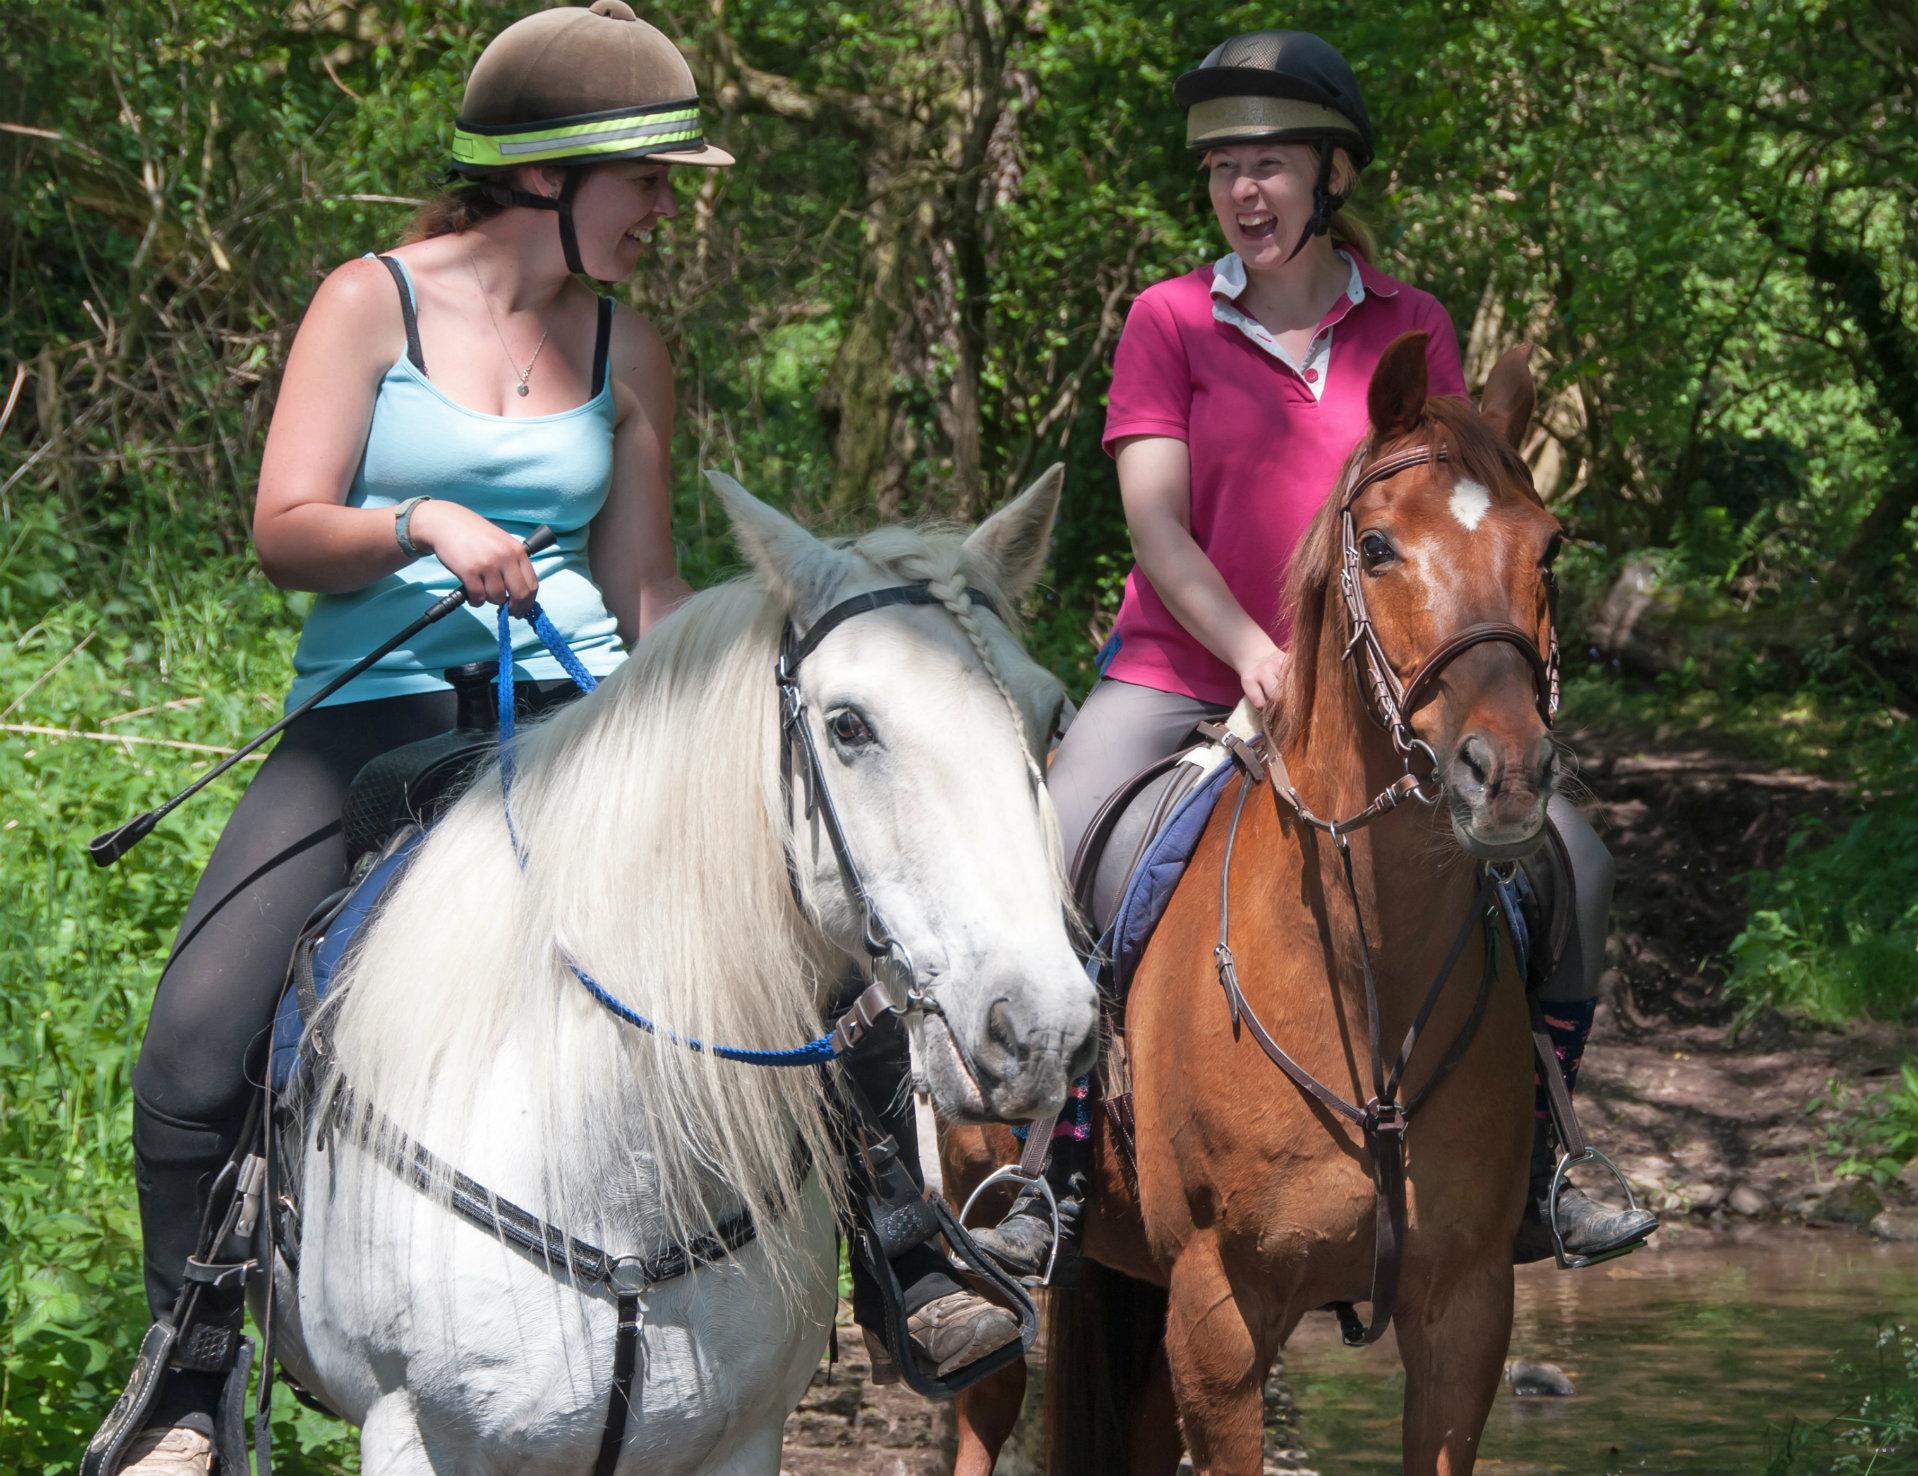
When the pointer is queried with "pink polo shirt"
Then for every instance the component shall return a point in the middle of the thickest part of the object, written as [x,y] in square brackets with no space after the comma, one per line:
[1266,438]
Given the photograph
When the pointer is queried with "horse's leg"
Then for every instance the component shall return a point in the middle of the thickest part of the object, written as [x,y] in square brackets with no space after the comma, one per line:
[1217,1365]
[1156,1445]
[756,1455]
[985,1416]
[391,1443]
[1452,1341]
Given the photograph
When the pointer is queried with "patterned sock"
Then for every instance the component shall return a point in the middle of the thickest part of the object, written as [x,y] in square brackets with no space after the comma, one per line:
[1568,1023]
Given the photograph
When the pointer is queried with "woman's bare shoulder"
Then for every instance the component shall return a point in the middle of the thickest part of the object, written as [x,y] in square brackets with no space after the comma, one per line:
[357,294]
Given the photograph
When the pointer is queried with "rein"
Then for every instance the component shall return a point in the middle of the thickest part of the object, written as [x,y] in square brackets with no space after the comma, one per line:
[1383,1118]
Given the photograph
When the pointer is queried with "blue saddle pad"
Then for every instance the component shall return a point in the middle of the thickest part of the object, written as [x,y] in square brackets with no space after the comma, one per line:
[1149,888]
[289,1022]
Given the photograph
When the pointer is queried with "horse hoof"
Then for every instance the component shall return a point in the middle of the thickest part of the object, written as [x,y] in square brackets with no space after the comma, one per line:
[1527,1377]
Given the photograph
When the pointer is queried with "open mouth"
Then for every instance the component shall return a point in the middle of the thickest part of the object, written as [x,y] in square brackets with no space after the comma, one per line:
[639,235]
[1261,225]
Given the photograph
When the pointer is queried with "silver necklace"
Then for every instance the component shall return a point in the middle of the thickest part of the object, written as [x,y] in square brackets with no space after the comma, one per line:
[510,361]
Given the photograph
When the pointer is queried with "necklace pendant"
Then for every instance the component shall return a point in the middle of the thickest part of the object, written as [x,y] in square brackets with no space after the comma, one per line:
[524,391]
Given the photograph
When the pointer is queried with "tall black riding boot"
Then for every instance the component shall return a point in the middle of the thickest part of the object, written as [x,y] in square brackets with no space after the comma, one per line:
[950,1326]
[175,1164]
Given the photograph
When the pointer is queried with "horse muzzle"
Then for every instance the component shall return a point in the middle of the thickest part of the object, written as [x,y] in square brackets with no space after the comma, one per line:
[1005,1056]
[1498,793]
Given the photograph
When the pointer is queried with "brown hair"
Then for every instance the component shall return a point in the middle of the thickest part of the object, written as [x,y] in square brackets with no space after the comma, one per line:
[1348,231]
[451,211]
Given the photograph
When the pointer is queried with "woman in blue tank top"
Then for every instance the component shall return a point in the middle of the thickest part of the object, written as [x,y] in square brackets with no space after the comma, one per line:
[438,404]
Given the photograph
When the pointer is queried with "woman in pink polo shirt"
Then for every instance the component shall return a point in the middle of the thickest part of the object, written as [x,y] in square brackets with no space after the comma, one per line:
[1238,393]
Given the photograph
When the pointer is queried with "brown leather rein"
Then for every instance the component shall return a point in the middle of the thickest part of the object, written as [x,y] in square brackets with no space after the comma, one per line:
[1382,1119]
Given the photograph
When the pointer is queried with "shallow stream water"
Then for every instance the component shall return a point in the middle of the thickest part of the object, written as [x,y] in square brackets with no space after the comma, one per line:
[1689,1358]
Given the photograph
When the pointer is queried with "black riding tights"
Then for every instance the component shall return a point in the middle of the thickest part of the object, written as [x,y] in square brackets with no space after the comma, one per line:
[281,855]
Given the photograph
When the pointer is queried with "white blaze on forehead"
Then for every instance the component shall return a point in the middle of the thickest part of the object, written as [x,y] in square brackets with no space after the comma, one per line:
[1470,502]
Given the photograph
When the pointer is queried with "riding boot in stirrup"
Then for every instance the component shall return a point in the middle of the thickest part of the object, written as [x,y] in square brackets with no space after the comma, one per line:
[1590,1230]
[1022,1241]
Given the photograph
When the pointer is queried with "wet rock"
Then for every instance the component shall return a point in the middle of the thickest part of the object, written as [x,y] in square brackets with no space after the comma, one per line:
[1853,1202]
[1896,1224]
[1748,1200]
[1527,1377]
[1702,1197]
[1908,1177]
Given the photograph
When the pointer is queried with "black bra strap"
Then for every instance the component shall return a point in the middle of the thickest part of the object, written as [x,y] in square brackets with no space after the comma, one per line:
[406,311]
[603,344]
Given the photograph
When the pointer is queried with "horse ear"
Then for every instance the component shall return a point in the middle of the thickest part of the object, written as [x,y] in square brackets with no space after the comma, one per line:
[1510,396]
[801,569]
[1396,400]
[1015,540]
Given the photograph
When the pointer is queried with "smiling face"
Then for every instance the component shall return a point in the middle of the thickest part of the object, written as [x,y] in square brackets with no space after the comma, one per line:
[1262,195]
[614,212]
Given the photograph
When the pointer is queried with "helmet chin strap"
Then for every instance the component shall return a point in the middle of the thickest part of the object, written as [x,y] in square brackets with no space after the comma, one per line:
[1324,202]
[561,205]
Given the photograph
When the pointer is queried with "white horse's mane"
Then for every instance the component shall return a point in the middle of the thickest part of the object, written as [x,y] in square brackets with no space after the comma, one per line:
[652,820]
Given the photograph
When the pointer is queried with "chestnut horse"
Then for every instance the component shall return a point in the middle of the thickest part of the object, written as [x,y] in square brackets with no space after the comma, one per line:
[1255,1202]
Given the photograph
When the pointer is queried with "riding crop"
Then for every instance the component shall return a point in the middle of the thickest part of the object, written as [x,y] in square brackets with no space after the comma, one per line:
[111,845]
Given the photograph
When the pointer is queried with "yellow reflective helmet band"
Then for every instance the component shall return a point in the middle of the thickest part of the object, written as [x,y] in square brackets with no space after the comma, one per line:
[630,132]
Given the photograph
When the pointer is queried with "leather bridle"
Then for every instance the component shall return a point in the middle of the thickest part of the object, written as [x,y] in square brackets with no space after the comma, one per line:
[894,984]
[1382,1119]
[1391,702]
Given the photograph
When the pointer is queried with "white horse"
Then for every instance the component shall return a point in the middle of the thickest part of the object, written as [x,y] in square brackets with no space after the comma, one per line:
[656,832]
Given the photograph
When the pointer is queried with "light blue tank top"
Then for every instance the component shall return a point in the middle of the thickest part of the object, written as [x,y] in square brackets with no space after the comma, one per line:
[516,472]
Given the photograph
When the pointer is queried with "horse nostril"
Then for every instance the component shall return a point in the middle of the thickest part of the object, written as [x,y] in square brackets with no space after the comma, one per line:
[1476,756]
[1001,1028]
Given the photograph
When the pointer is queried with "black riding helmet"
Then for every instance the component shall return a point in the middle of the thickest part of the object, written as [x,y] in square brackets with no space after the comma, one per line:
[1282,86]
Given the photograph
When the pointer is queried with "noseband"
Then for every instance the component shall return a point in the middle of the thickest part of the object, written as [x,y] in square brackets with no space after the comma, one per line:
[1391,702]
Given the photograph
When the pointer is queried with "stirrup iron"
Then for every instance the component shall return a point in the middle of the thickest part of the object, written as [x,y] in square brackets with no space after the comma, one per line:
[1014,1173]
[1566,1163]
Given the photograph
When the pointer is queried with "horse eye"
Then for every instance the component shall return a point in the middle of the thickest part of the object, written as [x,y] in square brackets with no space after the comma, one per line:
[849,728]
[1377,549]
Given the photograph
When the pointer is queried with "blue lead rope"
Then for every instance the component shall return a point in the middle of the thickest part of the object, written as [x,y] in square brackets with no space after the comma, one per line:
[813,1053]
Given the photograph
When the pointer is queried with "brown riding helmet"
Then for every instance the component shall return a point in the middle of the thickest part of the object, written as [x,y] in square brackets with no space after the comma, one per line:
[577,86]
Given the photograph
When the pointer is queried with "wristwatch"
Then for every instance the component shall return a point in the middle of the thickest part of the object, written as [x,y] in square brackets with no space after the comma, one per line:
[407,546]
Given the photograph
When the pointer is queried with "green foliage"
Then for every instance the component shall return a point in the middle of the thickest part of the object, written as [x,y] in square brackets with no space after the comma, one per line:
[1833,932]
[1873,1135]
[1881,1439]
[198,659]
